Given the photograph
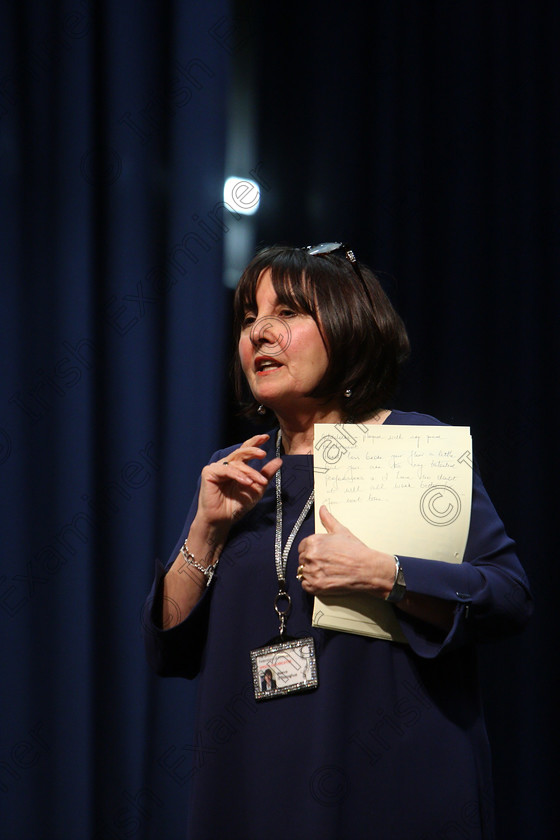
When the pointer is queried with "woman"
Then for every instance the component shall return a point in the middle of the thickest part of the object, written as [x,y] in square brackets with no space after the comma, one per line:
[392,742]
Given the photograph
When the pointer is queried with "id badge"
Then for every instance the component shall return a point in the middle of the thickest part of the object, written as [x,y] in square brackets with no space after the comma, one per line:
[284,668]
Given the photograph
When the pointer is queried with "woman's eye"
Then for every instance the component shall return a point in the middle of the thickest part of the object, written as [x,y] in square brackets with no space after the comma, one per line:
[287,313]
[248,320]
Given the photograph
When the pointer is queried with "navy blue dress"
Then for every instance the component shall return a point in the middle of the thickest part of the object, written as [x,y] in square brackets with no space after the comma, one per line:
[392,744]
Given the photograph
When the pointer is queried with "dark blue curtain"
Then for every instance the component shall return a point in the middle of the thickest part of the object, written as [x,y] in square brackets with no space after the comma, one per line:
[112,144]
[424,133]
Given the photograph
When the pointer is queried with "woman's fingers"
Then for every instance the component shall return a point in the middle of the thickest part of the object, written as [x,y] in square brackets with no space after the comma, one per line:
[232,471]
[248,450]
[271,468]
[340,562]
[232,486]
[251,448]
[236,467]
[255,440]
[245,454]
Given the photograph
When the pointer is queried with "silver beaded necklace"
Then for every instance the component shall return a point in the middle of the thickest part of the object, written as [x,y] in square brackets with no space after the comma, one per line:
[281,557]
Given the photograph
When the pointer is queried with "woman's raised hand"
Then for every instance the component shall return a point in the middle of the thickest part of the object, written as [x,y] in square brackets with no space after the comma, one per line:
[230,488]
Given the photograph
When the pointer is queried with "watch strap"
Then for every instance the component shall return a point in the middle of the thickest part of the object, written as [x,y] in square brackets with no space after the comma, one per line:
[398,591]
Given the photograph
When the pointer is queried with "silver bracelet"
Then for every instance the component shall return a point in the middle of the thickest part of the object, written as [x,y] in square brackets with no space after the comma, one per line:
[207,571]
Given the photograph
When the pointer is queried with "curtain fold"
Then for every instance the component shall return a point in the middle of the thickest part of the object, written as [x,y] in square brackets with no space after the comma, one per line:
[114,329]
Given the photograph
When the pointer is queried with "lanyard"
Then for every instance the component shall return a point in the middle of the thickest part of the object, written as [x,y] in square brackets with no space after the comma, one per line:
[281,556]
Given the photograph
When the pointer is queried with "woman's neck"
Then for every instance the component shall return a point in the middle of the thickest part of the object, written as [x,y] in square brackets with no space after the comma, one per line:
[297,433]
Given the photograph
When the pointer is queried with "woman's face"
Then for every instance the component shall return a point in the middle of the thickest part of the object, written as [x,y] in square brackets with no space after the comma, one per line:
[282,352]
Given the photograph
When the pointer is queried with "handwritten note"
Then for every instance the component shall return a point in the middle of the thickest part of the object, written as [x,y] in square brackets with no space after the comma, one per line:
[400,489]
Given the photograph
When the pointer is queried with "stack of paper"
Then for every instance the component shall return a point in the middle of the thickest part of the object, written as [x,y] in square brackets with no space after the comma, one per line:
[404,490]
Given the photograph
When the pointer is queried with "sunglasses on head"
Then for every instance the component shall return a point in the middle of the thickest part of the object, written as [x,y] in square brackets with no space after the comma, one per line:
[340,249]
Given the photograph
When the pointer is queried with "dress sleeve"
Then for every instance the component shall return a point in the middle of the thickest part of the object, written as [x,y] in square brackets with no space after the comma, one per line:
[177,651]
[489,588]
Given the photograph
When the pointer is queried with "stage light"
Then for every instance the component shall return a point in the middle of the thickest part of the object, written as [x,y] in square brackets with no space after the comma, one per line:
[242,195]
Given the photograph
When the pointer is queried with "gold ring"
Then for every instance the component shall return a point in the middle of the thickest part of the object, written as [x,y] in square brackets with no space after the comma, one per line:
[299,575]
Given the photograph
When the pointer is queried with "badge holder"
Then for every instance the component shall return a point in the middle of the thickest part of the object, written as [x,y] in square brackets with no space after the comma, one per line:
[286,665]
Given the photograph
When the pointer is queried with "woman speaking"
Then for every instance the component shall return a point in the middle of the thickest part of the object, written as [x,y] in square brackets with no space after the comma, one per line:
[381,739]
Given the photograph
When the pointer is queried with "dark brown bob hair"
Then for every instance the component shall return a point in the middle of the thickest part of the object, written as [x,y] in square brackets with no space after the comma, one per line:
[365,346]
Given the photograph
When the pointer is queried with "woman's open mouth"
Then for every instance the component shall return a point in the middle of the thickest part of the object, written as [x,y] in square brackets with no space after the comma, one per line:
[265,365]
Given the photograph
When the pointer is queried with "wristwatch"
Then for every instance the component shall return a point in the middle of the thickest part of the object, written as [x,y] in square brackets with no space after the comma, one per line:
[398,591]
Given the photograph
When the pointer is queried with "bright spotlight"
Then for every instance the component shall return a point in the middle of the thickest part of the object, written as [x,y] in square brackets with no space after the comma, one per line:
[241,195]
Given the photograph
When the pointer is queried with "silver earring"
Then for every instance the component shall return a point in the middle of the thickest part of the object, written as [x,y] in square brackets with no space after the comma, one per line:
[261,410]
[348,393]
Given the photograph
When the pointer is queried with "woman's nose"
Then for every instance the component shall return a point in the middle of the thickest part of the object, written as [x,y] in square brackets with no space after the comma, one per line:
[264,331]
[273,332]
